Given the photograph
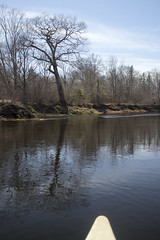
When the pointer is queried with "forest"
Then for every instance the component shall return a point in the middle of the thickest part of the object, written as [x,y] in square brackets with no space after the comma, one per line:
[45,60]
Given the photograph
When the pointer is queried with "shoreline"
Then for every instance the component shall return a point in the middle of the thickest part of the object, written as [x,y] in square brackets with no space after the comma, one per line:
[17,111]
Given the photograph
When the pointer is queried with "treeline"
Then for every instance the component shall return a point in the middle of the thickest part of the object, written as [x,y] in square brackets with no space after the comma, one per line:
[97,82]
[40,62]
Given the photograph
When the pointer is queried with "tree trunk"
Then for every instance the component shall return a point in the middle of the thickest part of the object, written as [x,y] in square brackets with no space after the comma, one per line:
[62,100]
[98,91]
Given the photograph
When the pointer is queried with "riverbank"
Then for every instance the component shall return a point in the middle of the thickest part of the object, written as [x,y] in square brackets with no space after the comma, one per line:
[12,110]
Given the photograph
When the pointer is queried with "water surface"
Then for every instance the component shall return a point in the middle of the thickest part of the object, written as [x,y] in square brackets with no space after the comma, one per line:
[57,176]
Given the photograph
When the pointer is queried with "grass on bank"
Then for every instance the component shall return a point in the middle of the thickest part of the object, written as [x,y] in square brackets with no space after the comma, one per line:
[72,111]
[15,110]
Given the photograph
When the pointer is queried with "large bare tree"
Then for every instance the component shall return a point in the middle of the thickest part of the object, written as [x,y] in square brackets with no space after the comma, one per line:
[56,41]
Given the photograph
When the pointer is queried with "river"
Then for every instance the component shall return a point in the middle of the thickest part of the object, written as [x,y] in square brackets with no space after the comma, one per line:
[57,176]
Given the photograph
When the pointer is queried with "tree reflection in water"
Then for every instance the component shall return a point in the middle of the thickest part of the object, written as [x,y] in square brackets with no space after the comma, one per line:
[55,183]
[48,164]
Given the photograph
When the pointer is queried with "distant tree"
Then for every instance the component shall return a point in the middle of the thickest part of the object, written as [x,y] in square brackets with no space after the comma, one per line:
[156,82]
[112,77]
[26,69]
[11,26]
[89,73]
[130,84]
[56,41]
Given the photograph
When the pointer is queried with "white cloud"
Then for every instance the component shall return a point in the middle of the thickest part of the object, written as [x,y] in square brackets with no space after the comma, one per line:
[121,38]
[144,64]
[30,14]
[135,47]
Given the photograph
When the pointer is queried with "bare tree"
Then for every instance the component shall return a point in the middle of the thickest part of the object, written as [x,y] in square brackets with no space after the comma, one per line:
[6,85]
[26,68]
[112,77]
[89,73]
[57,40]
[11,25]
[156,85]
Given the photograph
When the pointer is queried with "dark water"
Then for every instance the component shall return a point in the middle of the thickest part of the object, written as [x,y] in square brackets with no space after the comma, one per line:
[57,176]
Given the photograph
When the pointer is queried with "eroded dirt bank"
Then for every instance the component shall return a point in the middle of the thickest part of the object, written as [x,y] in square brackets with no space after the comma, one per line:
[10,110]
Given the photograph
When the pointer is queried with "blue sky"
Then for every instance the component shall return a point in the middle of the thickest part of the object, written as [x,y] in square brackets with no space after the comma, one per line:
[129,30]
